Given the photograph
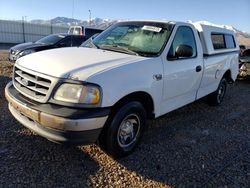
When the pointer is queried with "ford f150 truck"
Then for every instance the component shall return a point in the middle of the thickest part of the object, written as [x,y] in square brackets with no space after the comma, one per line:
[131,72]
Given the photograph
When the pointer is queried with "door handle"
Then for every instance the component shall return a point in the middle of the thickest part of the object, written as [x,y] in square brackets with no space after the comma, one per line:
[198,68]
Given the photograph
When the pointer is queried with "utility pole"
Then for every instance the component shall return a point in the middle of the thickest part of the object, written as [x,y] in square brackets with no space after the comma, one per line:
[90,18]
[73,9]
[51,27]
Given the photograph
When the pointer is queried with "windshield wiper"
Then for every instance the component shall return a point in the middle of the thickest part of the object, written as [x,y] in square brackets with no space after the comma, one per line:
[117,48]
[147,54]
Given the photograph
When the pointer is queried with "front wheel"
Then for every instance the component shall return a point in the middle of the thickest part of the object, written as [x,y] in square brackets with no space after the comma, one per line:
[124,130]
[216,98]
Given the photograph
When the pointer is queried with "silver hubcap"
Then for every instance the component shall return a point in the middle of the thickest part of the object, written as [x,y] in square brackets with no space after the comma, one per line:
[128,130]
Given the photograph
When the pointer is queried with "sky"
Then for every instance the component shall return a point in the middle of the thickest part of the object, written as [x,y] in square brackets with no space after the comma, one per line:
[229,12]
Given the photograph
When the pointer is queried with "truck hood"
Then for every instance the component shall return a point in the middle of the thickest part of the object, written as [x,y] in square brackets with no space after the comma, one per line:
[74,62]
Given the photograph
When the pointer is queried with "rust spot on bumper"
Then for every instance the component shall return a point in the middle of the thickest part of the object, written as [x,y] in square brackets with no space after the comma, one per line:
[44,119]
[52,121]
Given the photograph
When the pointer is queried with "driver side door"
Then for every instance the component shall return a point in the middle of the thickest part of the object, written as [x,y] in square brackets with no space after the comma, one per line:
[182,75]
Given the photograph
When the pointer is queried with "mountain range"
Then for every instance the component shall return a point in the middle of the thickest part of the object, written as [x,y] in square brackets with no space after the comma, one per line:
[64,21]
[242,37]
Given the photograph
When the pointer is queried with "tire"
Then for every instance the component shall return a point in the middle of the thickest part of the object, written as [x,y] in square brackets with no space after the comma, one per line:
[124,130]
[216,98]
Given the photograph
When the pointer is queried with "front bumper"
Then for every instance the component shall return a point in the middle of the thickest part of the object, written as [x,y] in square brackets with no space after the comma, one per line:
[74,126]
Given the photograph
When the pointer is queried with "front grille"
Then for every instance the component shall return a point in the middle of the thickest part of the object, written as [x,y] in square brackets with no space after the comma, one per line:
[31,85]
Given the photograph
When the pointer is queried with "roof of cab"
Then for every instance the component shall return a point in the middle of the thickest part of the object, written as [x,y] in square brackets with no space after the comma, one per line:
[147,20]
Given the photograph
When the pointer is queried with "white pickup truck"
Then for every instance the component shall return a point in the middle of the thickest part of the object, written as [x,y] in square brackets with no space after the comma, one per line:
[133,71]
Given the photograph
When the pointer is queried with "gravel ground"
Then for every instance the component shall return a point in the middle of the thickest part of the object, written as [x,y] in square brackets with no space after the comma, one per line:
[195,146]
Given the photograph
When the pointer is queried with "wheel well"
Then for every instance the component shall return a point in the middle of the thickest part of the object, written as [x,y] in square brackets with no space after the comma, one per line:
[144,98]
[228,77]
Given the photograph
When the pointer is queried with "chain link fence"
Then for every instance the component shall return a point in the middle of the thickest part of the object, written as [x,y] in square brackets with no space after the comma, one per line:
[20,31]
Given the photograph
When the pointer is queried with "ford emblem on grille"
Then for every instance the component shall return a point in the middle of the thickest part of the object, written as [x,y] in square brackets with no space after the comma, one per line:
[25,82]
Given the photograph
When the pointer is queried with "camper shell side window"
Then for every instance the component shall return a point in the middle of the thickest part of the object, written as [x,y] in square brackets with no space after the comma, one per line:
[222,41]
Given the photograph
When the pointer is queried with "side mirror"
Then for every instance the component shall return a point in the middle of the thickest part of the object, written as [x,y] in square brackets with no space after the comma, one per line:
[183,51]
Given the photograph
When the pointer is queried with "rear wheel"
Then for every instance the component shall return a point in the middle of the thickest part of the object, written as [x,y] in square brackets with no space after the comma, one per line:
[216,98]
[123,132]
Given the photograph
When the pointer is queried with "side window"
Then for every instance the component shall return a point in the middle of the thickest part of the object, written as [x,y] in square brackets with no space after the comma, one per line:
[230,41]
[218,41]
[71,31]
[77,31]
[222,41]
[184,36]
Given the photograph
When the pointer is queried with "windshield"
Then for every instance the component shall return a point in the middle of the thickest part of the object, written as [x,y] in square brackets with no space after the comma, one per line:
[51,39]
[136,38]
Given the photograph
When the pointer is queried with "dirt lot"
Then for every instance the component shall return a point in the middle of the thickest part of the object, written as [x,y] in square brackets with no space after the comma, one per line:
[195,146]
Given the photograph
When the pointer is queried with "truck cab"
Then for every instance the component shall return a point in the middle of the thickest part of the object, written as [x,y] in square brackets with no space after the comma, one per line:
[131,72]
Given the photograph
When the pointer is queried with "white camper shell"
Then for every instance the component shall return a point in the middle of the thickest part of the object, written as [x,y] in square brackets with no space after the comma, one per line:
[215,39]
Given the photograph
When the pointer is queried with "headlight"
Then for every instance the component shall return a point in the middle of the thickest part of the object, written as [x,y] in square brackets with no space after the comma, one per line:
[25,52]
[75,93]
